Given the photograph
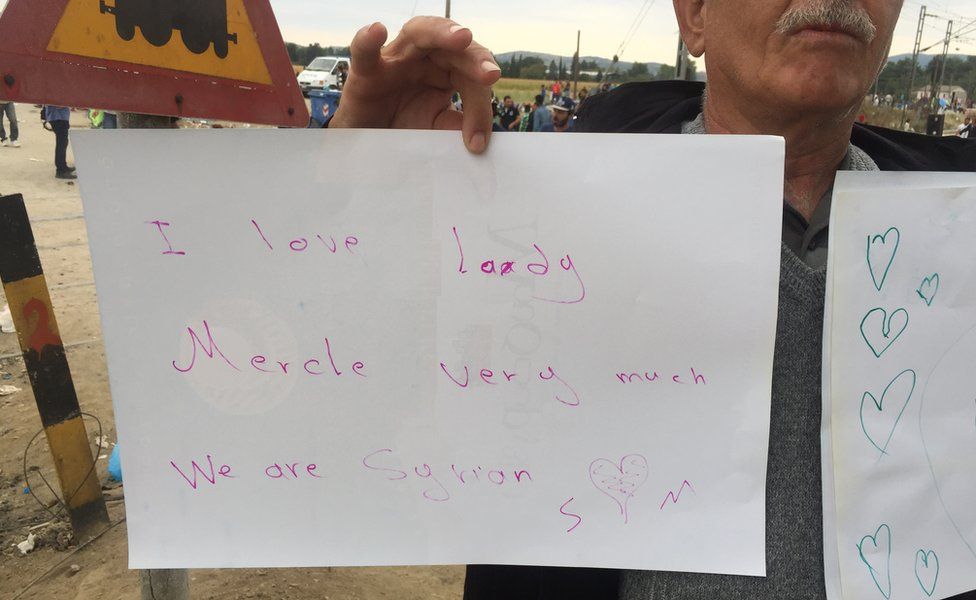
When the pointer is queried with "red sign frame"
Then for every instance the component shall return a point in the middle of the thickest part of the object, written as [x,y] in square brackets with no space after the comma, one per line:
[31,73]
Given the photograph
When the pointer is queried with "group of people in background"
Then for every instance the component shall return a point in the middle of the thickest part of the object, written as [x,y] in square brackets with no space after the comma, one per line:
[56,119]
[554,109]
[9,111]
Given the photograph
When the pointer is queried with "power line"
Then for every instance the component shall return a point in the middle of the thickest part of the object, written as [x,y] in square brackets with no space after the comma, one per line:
[635,26]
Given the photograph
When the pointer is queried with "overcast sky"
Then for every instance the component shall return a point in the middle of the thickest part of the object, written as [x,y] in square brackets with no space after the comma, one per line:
[550,25]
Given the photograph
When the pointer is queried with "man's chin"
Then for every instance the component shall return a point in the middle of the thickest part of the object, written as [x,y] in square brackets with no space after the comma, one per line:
[819,91]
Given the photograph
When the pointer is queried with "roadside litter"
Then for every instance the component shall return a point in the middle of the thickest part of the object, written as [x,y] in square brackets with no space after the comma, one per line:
[6,390]
[114,465]
[26,545]
[6,320]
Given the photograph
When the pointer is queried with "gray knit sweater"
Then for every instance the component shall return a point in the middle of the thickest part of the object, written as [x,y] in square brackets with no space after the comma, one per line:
[794,512]
[794,542]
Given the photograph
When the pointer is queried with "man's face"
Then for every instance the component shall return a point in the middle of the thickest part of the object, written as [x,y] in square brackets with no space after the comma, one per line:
[818,55]
[508,103]
[559,118]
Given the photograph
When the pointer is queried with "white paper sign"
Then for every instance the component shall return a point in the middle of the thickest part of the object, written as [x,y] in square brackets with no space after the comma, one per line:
[370,348]
[900,387]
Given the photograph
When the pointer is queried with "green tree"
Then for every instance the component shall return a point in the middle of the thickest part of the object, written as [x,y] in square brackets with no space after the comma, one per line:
[533,71]
[637,72]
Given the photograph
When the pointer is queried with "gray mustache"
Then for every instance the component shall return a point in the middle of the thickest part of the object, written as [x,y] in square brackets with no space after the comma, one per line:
[829,13]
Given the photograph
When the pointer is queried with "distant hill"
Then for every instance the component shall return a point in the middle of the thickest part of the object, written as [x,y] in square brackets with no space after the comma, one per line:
[601,62]
[923,59]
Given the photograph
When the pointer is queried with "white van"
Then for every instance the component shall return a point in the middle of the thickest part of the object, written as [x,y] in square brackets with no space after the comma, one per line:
[322,73]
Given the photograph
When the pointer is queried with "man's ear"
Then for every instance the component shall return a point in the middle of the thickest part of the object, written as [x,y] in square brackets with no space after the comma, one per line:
[691,21]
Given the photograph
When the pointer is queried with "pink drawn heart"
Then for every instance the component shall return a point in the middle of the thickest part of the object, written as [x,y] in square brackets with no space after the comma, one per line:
[620,482]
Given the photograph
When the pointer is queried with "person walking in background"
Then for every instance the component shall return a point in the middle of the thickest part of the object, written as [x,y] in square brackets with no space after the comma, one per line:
[964,131]
[58,118]
[541,117]
[508,114]
[562,115]
[103,119]
[524,122]
[10,111]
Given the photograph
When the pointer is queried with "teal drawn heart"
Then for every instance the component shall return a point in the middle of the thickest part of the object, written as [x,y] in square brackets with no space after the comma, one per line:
[881,255]
[880,330]
[877,557]
[927,574]
[882,416]
[928,289]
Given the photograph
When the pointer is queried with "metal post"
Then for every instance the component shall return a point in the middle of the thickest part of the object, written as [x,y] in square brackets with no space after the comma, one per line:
[576,66]
[165,584]
[918,45]
[447,10]
[158,584]
[681,64]
[47,367]
[945,57]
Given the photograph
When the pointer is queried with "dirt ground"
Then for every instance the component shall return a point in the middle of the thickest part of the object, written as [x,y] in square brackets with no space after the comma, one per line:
[58,568]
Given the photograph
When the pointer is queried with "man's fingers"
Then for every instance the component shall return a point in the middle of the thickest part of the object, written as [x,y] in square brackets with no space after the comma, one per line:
[365,48]
[476,124]
[436,77]
[475,64]
[449,119]
[421,35]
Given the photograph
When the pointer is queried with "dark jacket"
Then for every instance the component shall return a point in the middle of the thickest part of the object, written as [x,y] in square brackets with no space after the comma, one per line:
[661,107]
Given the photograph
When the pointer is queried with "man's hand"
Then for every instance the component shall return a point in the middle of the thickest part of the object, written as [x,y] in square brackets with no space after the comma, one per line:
[408,84]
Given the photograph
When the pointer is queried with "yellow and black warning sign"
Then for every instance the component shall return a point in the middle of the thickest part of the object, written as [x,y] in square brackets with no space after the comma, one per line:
[209,37]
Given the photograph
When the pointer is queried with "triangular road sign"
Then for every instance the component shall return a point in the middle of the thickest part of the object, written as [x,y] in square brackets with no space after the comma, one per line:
[217,59]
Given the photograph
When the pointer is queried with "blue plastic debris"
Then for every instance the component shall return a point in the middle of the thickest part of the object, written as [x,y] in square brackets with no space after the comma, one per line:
[114,465]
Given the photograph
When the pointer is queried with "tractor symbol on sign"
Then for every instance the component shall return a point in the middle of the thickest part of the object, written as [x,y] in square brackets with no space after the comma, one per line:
[201,22]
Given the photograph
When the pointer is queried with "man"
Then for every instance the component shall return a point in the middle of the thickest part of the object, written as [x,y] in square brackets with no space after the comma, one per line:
[562,116]
[508,113]
[793,68]
[10,111]
[59,119]
[964,131]
[541,116]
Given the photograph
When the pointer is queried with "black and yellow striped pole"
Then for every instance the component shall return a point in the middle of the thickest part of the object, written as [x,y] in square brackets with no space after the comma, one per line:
[47,367]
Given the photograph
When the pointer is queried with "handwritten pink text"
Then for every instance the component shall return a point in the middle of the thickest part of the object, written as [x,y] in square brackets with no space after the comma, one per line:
[540,268]
[323,365]
[302,244]
[463,379]
[693,377]
[205,474]
[384,462]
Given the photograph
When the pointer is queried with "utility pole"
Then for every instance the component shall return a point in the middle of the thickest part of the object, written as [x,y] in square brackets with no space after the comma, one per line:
[576,66]
[681,63]
[918,46]
[945,57]
[447,10]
